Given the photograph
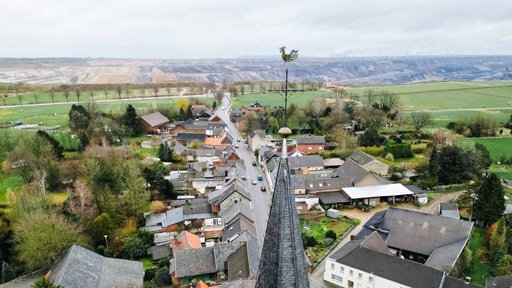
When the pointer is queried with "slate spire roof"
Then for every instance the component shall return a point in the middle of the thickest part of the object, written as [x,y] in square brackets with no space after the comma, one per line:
[283,262]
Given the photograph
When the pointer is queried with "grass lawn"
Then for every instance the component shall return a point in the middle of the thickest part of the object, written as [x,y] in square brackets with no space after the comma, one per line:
[319,224]
[9,182]
[479,269]
[498,147]
[147,263]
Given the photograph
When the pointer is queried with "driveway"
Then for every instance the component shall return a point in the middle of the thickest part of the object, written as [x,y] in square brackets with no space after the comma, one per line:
[316,277]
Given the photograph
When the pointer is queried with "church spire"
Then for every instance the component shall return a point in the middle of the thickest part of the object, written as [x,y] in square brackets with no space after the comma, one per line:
[282,262]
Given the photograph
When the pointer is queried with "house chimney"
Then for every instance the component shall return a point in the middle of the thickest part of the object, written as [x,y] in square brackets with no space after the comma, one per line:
[352,237]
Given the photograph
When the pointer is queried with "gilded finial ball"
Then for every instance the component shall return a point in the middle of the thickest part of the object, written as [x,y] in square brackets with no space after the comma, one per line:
[285,132]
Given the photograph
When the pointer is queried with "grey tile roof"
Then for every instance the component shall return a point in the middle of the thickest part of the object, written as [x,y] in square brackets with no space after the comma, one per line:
[283,262]
[310,139]
[405,272]
[236,210]
[236,227]
[415,189]
[216,125]
[190,137]
[361,158]
[352,171]
[155,119]
[499,282]
[259,133]
[80,267]
[159,252]
[441,239]
[205,260]
[305,161]
[332,198]
[253,247]
[236,187]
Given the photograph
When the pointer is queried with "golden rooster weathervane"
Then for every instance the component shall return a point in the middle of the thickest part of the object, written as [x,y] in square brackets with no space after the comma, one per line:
[292,56]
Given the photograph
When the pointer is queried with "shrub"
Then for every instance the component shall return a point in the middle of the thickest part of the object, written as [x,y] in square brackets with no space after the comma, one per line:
[419,148]
[398,150]
[163,263]
[149,274]
[134,248]
[374,150]
[162,276]
[390,157]
[330,234]
[327,242]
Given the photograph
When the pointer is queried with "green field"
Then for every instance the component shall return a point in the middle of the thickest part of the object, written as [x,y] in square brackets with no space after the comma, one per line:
[57,114]
[498,147]
[448,95]
[276,99]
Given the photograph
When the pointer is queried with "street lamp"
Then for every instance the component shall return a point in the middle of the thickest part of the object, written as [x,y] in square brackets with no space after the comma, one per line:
[106,241]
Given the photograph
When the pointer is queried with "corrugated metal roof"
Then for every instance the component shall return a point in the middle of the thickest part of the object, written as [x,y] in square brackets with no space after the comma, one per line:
[377,191]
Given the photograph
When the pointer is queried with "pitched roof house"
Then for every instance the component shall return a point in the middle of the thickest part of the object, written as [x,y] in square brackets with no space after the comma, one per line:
[257,139]
[368,263]
[369,163]
[433,240]
[308,144]
[80,267]
[154,122]
[358,175]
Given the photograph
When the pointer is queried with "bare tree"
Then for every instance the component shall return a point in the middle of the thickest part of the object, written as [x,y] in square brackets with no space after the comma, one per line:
[442,137]
[66,94]
[119,90]
[155,90]
[84,194]
[40,178]
[78,93]
[418,120]
[317,105]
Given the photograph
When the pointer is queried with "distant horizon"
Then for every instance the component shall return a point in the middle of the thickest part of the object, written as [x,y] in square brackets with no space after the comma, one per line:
[271,57]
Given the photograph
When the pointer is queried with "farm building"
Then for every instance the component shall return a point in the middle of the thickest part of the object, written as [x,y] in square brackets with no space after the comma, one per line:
[154,123]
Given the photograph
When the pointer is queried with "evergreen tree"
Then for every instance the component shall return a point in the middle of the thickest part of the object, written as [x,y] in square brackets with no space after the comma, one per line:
[214,105]
[490,202]
[57,148]
[455,165]
[7,273]
[370,137]
[182,114]
[433,164]
[165,153]
[131,121]
[482,156]
[189,114]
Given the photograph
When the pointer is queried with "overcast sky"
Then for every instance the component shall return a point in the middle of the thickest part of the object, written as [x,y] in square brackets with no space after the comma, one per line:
[232,28]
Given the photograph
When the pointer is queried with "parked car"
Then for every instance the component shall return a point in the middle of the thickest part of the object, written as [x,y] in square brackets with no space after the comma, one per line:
[238,140]
[254,182]
[253,163]
[263,189]
[259,177]
[236,145]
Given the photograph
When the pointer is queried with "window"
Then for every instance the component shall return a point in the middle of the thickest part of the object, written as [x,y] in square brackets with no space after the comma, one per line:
[342,269]
[310,148]
[332,266]
[336,278]
[360,276]
[351,273]
[370,279]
